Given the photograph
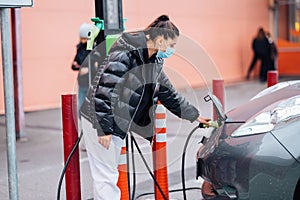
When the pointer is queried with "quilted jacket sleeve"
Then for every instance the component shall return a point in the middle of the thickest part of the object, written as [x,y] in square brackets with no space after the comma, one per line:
[174,101]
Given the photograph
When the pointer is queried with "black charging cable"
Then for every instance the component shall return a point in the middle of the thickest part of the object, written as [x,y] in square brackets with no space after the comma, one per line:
[148,168]
[133,141]
[133,167]
[66,165]
[170,191]
[183,160]
[128,164]
[184,189]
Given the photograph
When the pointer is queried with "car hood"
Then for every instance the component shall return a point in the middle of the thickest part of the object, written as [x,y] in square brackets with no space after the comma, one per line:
[245,111]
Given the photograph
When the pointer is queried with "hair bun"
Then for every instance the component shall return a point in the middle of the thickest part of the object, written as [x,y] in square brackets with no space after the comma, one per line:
[163,18]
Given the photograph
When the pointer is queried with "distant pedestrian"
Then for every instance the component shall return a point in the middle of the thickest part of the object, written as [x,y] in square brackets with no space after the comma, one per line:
[273,52]
[81,66]
[261,51]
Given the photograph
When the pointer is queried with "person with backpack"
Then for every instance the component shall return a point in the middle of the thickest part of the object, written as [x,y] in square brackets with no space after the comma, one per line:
[79,65]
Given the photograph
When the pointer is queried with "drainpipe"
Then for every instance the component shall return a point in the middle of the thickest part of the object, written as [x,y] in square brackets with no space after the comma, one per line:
[17,73]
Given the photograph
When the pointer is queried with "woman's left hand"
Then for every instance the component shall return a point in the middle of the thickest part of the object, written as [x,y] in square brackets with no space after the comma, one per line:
[105,140]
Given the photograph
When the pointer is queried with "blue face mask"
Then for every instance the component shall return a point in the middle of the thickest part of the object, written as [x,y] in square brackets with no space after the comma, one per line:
[169,52]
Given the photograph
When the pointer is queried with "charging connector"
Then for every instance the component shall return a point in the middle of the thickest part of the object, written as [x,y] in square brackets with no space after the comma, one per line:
[213,124]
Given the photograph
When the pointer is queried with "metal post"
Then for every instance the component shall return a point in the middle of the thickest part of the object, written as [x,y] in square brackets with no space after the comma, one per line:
[9,104]
[17,73]
[100,40]
[99,13]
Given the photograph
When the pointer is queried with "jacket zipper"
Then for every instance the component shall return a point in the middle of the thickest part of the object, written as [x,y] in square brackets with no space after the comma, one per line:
[140,101]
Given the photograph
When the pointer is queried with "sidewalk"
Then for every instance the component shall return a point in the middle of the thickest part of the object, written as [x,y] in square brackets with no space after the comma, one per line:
[40,156]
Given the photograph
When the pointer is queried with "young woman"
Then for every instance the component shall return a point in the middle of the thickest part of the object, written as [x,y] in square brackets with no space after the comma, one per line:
[124,99]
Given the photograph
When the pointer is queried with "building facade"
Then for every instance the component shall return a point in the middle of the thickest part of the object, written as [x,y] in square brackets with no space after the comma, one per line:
[221,32]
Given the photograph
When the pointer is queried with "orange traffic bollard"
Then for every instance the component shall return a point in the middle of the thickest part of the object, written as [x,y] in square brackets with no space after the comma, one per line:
[123,176]
[159,151]
[272,77]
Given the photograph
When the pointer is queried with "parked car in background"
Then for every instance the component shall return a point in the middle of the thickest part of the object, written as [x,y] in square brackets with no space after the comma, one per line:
[255,152]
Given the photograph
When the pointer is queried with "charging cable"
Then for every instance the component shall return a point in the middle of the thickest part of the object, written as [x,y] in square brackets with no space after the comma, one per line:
[133,141]
[148,168]
[184,189]
[183,159]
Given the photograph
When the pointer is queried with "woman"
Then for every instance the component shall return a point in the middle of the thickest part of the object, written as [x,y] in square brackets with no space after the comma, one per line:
[124,99]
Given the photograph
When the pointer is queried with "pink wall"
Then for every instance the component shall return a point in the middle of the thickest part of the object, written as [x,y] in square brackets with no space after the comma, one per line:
[49,38]
[224,30]
[50,33]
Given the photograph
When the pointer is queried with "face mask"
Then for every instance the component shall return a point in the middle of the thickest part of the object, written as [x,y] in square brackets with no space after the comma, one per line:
[169,51]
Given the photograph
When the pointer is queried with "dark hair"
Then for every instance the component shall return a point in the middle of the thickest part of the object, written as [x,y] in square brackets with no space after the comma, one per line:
[162,26]
[261,33]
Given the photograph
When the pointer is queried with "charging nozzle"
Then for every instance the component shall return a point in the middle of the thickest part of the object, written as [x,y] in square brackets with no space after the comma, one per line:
[210,124]
[94,31]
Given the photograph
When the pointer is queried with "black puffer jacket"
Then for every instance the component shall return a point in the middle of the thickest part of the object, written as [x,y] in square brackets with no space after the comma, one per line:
[126,92]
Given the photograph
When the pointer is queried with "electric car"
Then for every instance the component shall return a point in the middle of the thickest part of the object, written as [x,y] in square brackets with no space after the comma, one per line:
[254,153]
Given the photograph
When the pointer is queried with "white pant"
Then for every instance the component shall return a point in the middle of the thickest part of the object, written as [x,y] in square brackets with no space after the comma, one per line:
[103,163]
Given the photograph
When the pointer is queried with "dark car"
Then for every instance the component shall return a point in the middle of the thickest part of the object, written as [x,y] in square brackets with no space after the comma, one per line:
[255,151]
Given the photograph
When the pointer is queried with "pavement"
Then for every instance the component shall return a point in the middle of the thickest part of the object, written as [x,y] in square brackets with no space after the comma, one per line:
[40,153]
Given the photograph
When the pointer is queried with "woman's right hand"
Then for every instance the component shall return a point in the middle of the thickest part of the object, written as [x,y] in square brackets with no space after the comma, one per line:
[203,120]
[105,140]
